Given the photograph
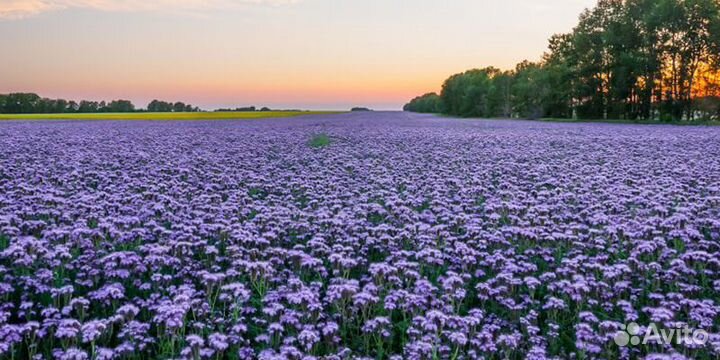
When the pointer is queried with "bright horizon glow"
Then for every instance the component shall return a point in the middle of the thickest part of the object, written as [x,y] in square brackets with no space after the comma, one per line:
[306,54]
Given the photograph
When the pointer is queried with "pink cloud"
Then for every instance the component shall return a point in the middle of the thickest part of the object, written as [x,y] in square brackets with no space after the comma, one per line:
[17,9]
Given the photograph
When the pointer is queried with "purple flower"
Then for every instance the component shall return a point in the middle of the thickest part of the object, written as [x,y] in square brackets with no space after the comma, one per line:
[92,330]
[468,239]
[218,341]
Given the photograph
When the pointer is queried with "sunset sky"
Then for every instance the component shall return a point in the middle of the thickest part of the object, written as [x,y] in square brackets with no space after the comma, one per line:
[310,54]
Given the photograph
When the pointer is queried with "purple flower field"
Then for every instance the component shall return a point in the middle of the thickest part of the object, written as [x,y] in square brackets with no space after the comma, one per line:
[404,237]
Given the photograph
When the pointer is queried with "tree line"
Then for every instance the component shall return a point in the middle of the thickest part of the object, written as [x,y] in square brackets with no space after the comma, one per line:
[244,109]
[31,103]
[164,106]
[626,59]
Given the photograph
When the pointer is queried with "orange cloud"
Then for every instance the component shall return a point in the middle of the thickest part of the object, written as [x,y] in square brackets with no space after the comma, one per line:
[17,9]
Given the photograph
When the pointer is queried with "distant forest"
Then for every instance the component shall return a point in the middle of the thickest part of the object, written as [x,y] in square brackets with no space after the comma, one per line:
[30,103]
[626,59]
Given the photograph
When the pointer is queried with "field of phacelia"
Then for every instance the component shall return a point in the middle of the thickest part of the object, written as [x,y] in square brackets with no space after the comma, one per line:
[373,235]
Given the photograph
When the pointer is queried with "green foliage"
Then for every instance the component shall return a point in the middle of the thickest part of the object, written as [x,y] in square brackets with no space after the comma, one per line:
[30,103]
[320,141]
[4,242]
[428,103]
[478,93]
[166,116]
[709,107]
[160,106]
[625,60]
[120,106]
[242,109]
[530,90]
[466,94]
[20,103]
[164,106]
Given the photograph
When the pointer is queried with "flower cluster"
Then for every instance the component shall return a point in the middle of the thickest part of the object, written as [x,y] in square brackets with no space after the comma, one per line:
[407,236]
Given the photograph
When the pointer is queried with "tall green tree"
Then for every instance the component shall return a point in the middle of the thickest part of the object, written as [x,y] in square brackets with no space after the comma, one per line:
[467,94]
[529,90]
[86,106]
[687,37]
[500,101]
[178,107]
[428,103]
[626,59]
[21,103]
[160,106]
[120,106]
